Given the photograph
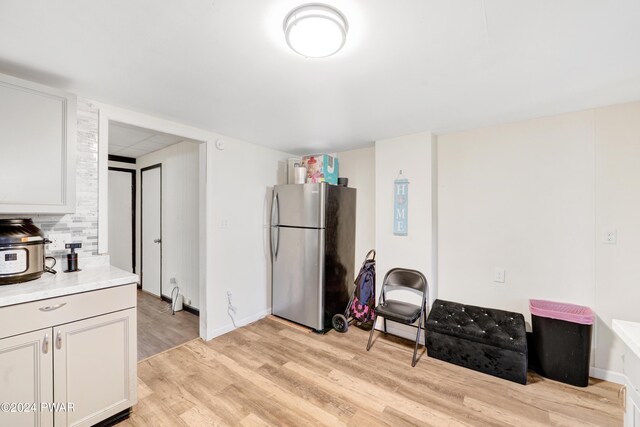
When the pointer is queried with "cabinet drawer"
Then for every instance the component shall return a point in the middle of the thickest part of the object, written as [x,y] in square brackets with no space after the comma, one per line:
[21,318]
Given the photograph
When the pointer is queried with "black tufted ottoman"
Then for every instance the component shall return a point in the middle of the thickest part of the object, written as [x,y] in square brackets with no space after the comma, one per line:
[483,339]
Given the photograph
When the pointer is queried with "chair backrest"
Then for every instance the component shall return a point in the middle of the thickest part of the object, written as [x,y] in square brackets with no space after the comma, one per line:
[405,278]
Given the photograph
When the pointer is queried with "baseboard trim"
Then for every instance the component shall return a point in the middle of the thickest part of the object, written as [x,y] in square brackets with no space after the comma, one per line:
[606,375]
[185,307]
[114,419]
[239,323]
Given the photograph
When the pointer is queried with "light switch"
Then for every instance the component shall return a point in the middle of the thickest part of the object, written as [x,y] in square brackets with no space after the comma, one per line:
[498,275]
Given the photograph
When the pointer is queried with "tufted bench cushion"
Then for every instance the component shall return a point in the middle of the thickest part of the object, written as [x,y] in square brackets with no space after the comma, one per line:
[484,339]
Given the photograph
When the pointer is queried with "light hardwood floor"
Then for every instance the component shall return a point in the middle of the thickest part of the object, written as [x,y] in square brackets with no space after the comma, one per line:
[275,373]
[158,329]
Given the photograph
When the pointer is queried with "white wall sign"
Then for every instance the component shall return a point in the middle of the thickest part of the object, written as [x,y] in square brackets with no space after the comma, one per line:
[400,206]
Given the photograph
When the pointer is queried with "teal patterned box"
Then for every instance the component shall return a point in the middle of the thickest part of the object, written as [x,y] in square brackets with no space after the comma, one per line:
[321,168]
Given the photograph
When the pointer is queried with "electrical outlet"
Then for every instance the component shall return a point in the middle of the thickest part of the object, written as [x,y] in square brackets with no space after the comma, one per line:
[224,224]
[498,275]
[610,237]
[58,241]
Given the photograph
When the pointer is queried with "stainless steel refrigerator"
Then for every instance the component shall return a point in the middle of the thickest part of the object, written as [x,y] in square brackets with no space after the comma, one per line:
[312,252]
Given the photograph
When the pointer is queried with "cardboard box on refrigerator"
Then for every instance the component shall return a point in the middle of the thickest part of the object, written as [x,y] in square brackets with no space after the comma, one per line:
[321,168]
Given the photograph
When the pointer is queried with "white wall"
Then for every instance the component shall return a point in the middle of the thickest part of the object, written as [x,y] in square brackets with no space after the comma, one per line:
[617,271]
[239,190]
[180,208]
[519,197]
[535,198]
[360,167]
[415,155]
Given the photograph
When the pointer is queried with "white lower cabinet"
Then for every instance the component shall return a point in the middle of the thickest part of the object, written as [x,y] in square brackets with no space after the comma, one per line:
[27,379]
[71,374]
[94,361]
[631,369]
[632,412]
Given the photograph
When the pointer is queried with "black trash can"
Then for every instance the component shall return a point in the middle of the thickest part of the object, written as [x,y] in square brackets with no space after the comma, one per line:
[562,340]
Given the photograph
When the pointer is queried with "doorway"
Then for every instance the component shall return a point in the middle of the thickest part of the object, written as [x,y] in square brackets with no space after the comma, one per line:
[151,229]
[167,208]
[122,218]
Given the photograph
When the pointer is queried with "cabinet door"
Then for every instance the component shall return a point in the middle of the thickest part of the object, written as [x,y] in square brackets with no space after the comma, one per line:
[95,367]
[26,374]
[37,136]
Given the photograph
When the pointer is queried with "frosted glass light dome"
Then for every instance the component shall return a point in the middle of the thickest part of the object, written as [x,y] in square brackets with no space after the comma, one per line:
[315,30]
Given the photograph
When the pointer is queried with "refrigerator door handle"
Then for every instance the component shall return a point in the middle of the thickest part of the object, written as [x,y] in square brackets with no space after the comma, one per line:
[275,241]
[275,219]
[275,210]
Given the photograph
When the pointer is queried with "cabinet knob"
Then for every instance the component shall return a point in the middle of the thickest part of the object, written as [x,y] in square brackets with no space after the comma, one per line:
[59,340]
[45,344]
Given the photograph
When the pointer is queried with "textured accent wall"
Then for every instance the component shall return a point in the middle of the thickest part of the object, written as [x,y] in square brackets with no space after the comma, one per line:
[83,224]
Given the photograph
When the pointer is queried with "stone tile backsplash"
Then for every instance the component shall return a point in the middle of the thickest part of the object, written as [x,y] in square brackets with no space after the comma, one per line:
[83,224]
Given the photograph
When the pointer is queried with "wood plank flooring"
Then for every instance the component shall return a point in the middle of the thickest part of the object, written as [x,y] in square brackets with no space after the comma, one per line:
[272,373]
[158,330]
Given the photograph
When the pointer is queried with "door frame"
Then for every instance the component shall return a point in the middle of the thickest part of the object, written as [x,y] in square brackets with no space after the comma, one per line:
[133,213]
[207,140]
[142,171]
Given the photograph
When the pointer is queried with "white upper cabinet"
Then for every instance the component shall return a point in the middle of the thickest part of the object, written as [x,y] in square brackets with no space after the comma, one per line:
[37,148]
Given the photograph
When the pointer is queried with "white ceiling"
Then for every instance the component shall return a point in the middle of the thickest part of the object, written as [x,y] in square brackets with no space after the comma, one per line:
[132,141]
[408,65]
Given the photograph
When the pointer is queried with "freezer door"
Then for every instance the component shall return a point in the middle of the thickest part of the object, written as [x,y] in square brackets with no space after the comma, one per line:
[298,276]
[299,205]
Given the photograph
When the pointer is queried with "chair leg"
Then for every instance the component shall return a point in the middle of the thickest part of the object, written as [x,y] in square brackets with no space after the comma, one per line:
[425,326]
[415,349]
[385,325]
[373,329]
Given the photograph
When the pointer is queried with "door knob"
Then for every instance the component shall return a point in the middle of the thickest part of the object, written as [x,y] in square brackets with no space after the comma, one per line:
[157,240]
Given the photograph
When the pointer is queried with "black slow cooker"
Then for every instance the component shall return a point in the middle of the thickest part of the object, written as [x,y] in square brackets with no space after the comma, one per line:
[21,251]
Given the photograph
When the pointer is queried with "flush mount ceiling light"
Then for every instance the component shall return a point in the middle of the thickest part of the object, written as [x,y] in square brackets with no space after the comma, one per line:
[315,30]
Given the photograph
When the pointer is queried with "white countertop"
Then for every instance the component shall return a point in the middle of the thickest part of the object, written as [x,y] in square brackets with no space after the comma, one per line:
[50,285]
[629,333]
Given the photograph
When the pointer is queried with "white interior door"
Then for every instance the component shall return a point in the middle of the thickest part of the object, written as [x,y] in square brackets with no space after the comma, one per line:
[151,223]
[120,219]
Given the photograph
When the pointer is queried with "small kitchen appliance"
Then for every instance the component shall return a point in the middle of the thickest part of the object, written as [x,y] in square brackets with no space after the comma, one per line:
[72,257]
[21,251]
